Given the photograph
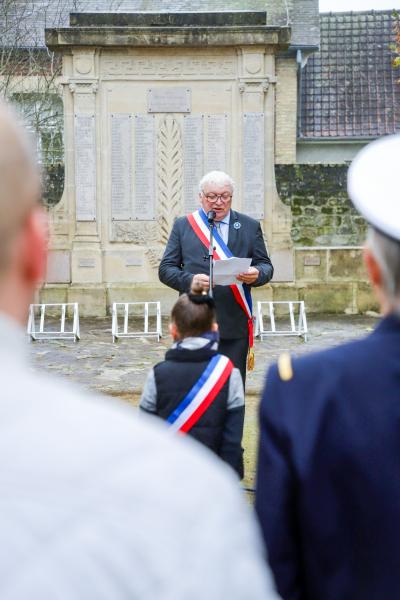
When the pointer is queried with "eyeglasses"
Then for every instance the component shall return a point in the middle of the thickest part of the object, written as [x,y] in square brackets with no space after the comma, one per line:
[214,197]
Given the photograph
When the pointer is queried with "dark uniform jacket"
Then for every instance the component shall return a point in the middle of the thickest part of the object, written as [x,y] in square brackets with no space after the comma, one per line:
[185,256]
[218,428]
[328,485]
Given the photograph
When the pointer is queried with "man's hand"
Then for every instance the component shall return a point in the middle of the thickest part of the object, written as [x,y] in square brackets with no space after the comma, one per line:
[202,279]
[249,277]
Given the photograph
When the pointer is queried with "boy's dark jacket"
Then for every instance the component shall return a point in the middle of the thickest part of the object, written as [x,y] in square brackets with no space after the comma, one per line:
[218,428]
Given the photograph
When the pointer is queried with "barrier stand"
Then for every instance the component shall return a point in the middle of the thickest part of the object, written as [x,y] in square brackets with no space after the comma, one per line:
[53,334]
[300,330]
[117,333]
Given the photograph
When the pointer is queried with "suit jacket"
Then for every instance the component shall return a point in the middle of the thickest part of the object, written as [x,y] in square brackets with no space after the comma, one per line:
[185,256]
[328,482]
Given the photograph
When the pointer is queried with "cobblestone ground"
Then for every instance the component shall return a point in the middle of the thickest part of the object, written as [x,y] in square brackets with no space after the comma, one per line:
[120,369]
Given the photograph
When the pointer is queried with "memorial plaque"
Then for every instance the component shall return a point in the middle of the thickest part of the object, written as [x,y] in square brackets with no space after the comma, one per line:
[169,99]
[121,167]
[145,158]
[134,261]
[58,266]
[192,160]
[86,263]
[85,167]
[312,260]
[253,165]
[217,143]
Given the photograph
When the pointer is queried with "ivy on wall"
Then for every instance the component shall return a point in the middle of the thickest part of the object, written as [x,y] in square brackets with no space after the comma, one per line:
[53,183]
[322,212]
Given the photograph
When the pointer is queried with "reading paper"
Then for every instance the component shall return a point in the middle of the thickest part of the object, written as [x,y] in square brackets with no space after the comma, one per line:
[225,270]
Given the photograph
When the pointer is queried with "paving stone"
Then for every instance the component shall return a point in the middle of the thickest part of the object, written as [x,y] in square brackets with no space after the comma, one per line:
[121,369]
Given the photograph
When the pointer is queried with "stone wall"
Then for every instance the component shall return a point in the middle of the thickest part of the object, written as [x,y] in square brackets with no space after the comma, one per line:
[329,275]
[285,111]
[321,210]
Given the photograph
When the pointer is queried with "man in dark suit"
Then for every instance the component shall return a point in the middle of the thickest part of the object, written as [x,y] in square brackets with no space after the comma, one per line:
[186,259]
[328,482]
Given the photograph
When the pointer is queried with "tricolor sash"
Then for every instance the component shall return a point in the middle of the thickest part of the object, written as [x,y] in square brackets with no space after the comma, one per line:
[198,222]
[201,395]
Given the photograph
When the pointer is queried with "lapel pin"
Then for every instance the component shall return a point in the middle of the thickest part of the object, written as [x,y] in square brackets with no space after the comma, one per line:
[237,225]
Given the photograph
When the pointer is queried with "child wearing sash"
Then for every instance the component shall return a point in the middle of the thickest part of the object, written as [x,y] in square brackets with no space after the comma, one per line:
[195,389]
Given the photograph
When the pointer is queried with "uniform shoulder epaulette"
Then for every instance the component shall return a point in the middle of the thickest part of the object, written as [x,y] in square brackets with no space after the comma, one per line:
[285,366]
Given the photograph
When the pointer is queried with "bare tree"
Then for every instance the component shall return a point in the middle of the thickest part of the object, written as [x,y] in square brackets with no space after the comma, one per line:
[29,71]
[29,74]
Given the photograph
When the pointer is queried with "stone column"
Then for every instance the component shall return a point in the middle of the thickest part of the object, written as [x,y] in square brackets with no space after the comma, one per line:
[84,183]
[257,87]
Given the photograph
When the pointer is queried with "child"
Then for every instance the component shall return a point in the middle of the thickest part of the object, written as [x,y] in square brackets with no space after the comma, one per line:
[195,389]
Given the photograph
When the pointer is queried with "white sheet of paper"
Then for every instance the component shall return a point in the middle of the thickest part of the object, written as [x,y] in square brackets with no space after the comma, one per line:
[225,270]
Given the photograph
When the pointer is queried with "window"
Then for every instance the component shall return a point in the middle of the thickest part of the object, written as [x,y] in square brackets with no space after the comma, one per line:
[43,115]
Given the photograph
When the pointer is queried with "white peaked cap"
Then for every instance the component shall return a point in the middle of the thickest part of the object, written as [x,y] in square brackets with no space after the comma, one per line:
[373,184]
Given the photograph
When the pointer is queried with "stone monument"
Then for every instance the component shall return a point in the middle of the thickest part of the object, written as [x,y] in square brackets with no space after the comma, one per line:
[153,101]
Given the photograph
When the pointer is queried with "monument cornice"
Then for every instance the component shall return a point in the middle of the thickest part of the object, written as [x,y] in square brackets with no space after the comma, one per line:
[203,37]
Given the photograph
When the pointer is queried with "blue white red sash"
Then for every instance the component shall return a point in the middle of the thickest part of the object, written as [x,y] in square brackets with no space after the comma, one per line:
[202,394]
[200,226]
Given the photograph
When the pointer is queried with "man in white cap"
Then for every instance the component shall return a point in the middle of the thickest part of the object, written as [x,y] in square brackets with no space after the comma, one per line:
[328,485]
[94,503]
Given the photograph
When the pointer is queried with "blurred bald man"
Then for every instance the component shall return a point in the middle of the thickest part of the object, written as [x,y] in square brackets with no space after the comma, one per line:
[22,239]
[95,504]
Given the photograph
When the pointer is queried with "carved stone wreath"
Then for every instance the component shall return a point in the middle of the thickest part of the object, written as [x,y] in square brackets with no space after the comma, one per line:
[169,184]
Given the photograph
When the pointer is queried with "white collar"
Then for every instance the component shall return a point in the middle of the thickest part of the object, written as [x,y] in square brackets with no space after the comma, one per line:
[226,219]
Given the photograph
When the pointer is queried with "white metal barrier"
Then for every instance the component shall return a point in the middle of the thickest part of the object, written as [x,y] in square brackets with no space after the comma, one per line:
[37,331]
[118,333]
[297,323]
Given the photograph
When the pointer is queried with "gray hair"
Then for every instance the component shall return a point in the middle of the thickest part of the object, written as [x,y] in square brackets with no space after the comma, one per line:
[387,254]
[218,178]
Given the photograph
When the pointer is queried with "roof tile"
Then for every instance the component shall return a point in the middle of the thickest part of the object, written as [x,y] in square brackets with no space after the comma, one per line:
[349,88]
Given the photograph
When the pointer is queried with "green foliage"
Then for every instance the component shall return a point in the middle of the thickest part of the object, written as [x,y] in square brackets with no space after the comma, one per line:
[53,183]
[395,48]
[321,210]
